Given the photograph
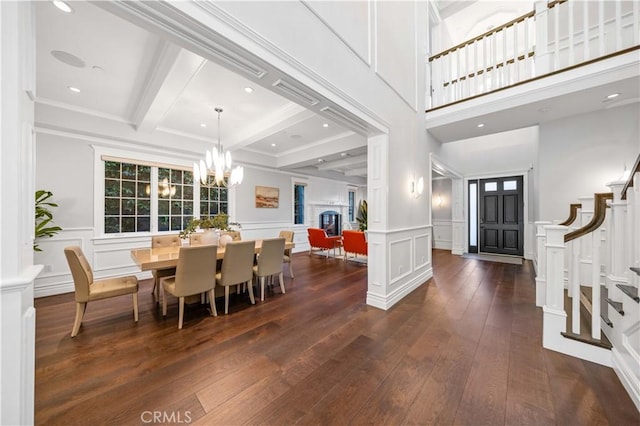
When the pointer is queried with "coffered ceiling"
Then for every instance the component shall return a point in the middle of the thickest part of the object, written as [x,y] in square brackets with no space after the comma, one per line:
[125,73]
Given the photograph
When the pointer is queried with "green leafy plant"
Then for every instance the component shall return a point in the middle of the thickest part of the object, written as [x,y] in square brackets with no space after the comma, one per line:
[44,217]
[219,221]
[362,215]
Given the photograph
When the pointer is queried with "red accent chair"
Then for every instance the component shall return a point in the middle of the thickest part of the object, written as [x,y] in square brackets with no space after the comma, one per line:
[319,240]
[354,242]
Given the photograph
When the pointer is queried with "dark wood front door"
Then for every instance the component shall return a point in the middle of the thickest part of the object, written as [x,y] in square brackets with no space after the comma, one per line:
[502,216]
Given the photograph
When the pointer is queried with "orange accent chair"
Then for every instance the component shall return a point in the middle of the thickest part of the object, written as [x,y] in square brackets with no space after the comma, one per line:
[354,242]
[319,240]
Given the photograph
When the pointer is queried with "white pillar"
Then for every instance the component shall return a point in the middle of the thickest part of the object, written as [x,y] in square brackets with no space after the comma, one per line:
[17,177]
[616,233]
[554,315]
[541,262]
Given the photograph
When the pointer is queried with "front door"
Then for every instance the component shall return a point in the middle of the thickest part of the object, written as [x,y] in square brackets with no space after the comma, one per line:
[502,216]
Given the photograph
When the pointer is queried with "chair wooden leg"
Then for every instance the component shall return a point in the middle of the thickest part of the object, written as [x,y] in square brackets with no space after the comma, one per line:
[262,289]
[181,313]
[164,305]
[281,282]
[249,284]
[291,268]
[80,307]
[135,306]
[226,299]
[212,303]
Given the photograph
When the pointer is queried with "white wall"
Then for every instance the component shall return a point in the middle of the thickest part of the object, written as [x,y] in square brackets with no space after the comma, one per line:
[441,190]
[498,153]
[579,155]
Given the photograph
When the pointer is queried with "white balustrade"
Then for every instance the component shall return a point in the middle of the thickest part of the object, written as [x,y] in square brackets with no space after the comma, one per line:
[523,48]
[541,262]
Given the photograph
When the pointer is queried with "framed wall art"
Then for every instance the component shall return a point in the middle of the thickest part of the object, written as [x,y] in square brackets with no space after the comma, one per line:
[267,197]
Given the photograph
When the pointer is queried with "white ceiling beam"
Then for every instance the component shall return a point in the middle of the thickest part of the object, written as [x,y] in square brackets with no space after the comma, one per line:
[272,123]
[308,154]
[356,172]
[171,71]
[343,162]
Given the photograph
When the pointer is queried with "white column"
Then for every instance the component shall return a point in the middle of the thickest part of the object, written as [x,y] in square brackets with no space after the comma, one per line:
[541,262]
[554,315]
[17,272]
[616,233]
[542,57]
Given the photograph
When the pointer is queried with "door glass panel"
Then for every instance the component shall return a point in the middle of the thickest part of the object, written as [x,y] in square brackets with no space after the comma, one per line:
[490,186]
[473,217]
[510,185]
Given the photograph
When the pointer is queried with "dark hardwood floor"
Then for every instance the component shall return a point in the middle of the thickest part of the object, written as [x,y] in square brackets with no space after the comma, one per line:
[465,348]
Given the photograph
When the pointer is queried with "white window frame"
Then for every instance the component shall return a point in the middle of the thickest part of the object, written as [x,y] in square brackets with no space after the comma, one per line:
[305,183]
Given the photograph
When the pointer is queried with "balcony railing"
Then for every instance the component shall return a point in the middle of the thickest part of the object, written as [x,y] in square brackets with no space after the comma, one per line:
[555,36]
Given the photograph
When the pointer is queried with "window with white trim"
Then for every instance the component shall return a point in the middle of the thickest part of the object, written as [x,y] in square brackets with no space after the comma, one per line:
[213,198]
[352,205]
[151,197]
[298,203]
[127,197]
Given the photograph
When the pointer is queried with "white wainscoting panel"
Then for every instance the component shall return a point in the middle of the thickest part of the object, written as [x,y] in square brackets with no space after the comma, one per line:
[400,260]
[422,251]
[442,234]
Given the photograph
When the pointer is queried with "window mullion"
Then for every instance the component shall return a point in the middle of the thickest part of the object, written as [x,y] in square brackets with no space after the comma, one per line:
[154,199]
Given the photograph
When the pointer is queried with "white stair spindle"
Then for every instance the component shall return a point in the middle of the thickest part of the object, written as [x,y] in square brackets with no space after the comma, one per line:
[574,286]
[556,43]
[595,284]
[516,62]
[541,262]
[572,59]
[600,28]
[585,30]
[618,24]
[636,18]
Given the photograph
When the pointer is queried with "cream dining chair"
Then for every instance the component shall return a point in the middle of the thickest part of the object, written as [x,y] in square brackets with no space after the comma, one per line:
[163,241]
[87,290]
[195,274]
[288,237]
[270,262]
[237,267]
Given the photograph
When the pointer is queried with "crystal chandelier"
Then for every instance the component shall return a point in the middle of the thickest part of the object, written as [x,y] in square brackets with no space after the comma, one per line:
[218,161]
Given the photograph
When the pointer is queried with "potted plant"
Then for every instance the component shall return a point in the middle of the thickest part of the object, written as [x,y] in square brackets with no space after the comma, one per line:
[44,217]
[219,222]
[362,215]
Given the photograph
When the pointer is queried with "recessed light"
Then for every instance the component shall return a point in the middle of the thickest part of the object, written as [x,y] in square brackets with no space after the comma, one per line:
[248,89]
[97,68]
[544,109]
[613,95]
[73,89]
[63,6]
[273,144]
[203,125]
[481,125]
[325,125]
[320,160]
[344,154]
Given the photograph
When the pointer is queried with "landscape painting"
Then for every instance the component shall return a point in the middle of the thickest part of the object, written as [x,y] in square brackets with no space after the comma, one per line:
[267,197]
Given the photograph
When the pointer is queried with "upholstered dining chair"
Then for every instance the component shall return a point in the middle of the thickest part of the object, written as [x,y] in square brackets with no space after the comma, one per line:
[288,237]
[235,235]
[270,262]
[87,290]
[237,267]
[195,274]
[163,241]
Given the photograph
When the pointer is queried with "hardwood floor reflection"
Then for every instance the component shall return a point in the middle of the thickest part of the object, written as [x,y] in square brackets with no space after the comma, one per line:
[464,348]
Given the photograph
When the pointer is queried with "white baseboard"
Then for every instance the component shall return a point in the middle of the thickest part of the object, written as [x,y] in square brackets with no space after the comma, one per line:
[624,372]
[394,297]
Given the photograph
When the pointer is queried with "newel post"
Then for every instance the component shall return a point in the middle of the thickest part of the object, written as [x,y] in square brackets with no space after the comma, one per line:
[542,55]
[554,320]
[541,262]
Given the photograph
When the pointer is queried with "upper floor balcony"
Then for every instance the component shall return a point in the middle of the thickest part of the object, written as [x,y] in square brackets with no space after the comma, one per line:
[561,58]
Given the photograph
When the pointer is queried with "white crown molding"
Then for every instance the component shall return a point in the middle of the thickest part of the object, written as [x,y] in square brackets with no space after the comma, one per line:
[81,110]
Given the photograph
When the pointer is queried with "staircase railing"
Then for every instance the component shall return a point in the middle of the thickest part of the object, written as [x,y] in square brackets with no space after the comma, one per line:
[556,35]
[602,252]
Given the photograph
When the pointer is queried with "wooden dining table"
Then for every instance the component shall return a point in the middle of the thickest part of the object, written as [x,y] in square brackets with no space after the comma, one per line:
[149,259]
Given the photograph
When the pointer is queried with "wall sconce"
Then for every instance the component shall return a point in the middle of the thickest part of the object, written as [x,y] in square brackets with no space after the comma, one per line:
[417,187]
[439,200]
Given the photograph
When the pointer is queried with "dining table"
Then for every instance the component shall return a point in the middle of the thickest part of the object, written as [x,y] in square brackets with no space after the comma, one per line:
[149,259]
